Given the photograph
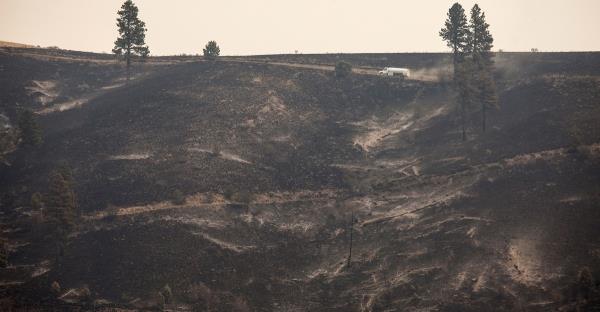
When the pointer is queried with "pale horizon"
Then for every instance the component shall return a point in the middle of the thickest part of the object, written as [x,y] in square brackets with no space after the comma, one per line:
[311,26]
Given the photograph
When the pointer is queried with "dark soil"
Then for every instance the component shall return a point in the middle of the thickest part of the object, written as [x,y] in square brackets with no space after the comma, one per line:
[502,222]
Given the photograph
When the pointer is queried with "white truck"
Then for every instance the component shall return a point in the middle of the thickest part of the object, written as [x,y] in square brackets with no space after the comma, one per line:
[394,71]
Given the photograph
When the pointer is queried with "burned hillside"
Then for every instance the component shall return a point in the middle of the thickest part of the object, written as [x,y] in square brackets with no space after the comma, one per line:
[233,183]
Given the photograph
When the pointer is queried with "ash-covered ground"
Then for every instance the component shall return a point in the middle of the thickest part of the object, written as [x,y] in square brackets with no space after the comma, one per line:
[234,182]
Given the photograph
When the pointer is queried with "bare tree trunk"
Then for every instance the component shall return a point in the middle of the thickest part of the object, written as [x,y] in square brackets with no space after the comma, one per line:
[128,59]
[128,68]
[455,60]
[462,104]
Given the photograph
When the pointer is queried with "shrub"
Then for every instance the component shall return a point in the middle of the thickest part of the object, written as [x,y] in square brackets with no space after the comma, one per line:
[241,201]
[177,198]
[215,151]
[228,194]
[55,287]
[342,69]
[242,197]
[167,294]
[111,213]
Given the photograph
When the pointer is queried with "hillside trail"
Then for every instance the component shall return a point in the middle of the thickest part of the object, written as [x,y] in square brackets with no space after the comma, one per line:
[369,71]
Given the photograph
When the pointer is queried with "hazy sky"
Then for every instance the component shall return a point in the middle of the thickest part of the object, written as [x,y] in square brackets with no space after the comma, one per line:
[309,26]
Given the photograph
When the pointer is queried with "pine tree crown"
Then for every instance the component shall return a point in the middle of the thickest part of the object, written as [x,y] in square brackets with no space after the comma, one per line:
[456,30]
[480,41]
[132,32]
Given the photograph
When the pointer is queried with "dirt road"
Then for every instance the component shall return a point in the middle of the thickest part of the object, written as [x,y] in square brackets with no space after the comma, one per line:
[356,70]
[372,71]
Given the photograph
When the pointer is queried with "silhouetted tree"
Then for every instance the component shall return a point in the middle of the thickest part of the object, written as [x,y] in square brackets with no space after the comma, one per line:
[456,33]
[31,134]
[211,50]
[132,34]
[480,40]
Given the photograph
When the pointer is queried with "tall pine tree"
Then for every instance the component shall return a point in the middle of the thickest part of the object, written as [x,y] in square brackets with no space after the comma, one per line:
[480,40]
[456,34]
[132,34]
[480,44]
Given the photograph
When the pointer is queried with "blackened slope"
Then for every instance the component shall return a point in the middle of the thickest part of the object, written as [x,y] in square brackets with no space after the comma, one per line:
[277,129]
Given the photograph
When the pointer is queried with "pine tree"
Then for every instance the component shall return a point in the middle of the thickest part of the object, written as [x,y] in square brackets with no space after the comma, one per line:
[480,40]
[132,34]
[480,44]
[61,203]
[211,50]
[456,33]
[31,133]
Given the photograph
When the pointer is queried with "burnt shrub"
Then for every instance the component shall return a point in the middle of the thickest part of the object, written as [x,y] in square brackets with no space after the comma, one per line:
[177,198]
[342,69]
[228,194]
[167,294]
